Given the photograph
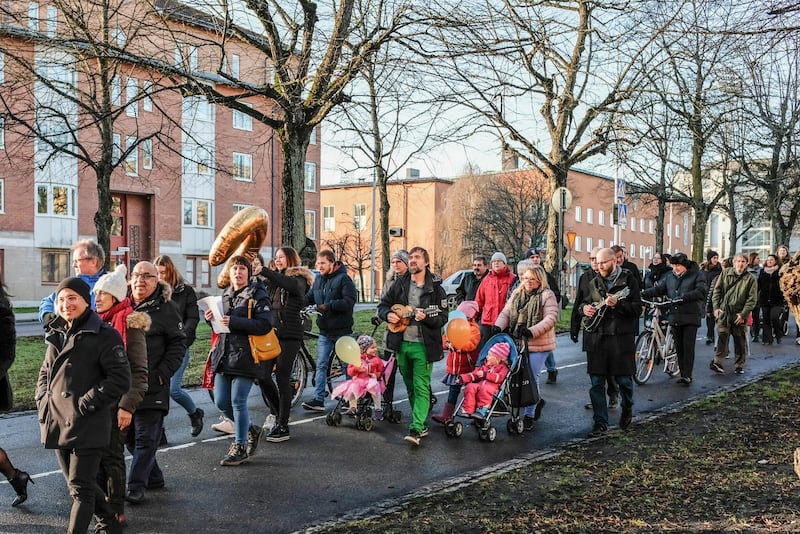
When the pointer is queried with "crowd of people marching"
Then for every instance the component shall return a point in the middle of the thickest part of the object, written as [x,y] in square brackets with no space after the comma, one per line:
[117,348]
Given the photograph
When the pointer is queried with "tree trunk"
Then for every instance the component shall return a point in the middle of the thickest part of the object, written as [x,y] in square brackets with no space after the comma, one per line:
[293,146]
[102,217]
[384,223]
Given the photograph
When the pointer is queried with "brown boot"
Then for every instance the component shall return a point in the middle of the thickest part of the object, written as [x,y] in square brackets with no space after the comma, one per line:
[447,413]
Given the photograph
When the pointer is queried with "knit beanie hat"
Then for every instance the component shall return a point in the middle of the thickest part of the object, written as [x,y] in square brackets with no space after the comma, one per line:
[365,342]
[499,256]
[711,254]
[78,286]
[500,350]
[469,308]
[115,284]
[401,255]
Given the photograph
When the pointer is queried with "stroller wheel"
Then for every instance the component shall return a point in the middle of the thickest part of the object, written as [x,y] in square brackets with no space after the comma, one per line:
[366,424]
[491,434]
[458,429]
[329,420]
[359,423]
[337,418]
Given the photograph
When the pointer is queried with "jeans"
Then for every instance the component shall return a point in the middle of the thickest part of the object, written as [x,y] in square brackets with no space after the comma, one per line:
[550,362]
[176,392]
[536,360]
[598,395]
[230,396]
[146,431]
[325,346]
[79,467]
[412,360]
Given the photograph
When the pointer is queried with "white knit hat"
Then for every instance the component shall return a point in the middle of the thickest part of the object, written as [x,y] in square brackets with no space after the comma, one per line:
[114,283]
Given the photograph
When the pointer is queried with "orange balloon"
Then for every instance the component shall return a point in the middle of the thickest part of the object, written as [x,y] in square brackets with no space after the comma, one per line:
[458,332]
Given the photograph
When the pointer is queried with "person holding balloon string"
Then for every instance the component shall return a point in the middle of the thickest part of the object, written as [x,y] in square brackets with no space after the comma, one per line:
[365,371]
[461,340]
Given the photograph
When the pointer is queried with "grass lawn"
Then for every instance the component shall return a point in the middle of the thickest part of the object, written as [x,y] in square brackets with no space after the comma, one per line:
[30,352]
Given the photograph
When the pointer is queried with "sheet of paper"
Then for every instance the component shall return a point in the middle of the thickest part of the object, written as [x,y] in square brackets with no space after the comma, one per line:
[214,303]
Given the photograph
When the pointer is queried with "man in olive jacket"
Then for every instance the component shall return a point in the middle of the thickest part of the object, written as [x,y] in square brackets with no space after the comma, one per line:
[733,300]
[165,349]
[419,344]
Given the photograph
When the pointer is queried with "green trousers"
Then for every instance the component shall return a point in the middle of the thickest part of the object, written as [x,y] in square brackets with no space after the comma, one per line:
[412,361]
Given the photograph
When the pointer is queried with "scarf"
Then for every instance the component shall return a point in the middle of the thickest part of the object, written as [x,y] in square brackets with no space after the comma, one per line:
[117,316]
[770,270]
[526,308]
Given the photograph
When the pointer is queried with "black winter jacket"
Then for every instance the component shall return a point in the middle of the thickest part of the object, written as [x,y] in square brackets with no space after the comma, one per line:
[468,287]
[231,354]
[576,318]
[165,346]
[84,373]
[691,288]
[8,344]
[433,295]
[186,299]
[711,280]
[287,293]
[769,290]
[338,293]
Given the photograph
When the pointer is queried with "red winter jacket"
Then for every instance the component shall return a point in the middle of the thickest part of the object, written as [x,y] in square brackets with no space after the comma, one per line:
[491,373]
[462,361]
[370,366]
[492,292]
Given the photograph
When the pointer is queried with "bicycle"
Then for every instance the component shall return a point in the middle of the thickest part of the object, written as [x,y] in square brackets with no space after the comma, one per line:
[655,344]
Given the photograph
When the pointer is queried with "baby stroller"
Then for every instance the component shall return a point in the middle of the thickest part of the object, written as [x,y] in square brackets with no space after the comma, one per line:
[500,404]
[365,408]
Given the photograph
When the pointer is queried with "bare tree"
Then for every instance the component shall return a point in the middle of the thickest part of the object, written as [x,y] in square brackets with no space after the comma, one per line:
[352,247]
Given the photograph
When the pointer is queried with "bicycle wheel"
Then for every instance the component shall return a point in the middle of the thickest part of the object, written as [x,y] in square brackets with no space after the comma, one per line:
[337,371]
[645,352]
[299,376]
[671,356]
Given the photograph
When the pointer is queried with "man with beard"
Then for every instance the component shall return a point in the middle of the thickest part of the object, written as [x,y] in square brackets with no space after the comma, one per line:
[733,300]
[468,287]
[419,344]
[611,346]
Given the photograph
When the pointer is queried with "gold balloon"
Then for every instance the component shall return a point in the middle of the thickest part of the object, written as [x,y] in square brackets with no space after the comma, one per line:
[242,235]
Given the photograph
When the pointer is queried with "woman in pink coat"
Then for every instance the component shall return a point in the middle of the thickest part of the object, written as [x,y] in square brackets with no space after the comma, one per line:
[531,313]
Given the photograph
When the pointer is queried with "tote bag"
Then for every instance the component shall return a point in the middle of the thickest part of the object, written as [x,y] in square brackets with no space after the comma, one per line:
[522,388]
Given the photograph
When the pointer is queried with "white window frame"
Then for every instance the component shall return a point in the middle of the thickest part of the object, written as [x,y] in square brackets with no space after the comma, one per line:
[239,207]
[132,159]
[242,161]
[49,190]
[147,154]
[633,223]
[589,216]
[632,248]
[577,214]
[147,100]
[601,218]
[2,133]
[651,224]
[310,177]
[677,231]
[2,195]
[192,205]
[312,140]
[2,67]
[116,140]
[641,225]
[359,217]
[577,243]
[242,121]
[601,243]
[116,91]
[33,16]
[589,246]
[119,37]
[52,21]
[178,53]
[312,226]
[131,91]
[329,218]
[192,58]
[235,66]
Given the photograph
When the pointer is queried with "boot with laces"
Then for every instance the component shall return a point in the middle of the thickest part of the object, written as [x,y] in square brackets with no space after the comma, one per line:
[237,455]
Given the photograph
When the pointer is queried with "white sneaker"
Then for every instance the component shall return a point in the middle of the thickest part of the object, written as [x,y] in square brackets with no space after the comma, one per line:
[269,422]
[225,425]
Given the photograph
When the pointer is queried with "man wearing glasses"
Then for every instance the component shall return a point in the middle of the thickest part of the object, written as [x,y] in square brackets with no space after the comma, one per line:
[88,259]
[165,348]
[611,344]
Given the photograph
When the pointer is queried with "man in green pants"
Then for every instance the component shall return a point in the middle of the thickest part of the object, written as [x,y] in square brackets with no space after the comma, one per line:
[415,308]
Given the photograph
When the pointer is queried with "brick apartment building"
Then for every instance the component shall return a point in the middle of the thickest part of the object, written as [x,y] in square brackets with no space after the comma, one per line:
[167,199]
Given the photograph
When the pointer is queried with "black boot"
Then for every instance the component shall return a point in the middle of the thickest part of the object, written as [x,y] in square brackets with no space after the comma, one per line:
[552,376]
[20,484]
[196,419]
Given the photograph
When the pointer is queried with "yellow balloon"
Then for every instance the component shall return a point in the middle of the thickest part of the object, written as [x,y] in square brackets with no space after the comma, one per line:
[348,351]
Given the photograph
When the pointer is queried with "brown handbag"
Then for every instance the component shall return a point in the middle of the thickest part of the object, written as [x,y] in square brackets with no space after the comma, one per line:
[264,347]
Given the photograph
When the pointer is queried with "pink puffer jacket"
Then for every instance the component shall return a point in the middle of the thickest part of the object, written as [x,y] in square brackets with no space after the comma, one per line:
[544,332]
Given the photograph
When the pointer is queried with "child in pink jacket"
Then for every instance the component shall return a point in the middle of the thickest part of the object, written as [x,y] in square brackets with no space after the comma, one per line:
[365,378]
[483,382]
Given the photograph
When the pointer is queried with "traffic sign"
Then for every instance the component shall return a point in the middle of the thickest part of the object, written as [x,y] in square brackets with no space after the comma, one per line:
[562,199]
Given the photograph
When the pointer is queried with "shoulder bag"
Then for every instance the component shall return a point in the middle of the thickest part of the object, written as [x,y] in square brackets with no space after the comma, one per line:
[522,388]
[266,346]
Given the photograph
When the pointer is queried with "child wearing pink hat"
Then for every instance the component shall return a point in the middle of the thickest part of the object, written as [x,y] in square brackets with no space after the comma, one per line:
[460,361]
[484,381]
[365,378]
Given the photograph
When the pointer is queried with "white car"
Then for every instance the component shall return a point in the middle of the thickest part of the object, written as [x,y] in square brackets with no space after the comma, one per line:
[451,283]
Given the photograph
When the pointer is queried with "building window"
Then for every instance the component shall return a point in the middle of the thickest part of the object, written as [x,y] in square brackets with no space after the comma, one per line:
[239,207]
[234,66]
[147,99]
[632,248]
[601,243]
[116,140]
[310,181]
[633,223]
[311,224]
[242,121]
[589,216]
[52,21]
[577,243]
[119,37]
[198,213]
[589,244]
[192,58]
[131,90]
[55,266]
[2,68]
[198,271]
[313,139]
[147,154]
[198,108]
[116,91]
[577,214]
[33,16]
[677,231]
[641,224]
[55,200]
[2,196]
[2,133]
[178,53]
[359,217]
[132,159]
[651,225]
[642,250]
[328,219]
[242,167]
[601,218]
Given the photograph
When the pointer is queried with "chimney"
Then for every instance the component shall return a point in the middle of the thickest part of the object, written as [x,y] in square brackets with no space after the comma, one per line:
[510,160]
[412,173]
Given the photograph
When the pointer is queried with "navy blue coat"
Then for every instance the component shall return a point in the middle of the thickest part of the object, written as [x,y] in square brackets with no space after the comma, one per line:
[338,293]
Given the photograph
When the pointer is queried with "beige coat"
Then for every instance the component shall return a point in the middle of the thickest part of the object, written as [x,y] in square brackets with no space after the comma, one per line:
[544,332]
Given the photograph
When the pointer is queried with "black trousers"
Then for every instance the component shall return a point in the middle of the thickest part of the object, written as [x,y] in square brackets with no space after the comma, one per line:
[79,467]
[684,337]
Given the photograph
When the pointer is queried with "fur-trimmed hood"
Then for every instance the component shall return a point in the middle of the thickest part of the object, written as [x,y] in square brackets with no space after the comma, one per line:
[166,290]
[305,272]
[138,320]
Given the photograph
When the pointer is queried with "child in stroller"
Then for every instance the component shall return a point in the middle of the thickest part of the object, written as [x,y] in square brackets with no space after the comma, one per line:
[363,391]
[483,382]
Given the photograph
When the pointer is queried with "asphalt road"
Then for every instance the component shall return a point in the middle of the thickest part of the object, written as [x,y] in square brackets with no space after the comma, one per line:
[323,472]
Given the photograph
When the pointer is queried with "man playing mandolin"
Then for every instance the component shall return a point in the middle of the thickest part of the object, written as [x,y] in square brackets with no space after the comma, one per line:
[415,308]
[611,344]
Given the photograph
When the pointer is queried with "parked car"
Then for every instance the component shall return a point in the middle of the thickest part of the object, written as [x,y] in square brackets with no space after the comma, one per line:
[451,283]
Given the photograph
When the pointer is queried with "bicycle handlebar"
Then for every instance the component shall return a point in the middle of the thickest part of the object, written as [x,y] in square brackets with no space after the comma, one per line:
[661,304]
[308,311]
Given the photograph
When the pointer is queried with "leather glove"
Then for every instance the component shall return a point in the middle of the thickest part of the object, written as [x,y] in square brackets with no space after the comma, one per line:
[523,332]
[496,330]
[49,317]
[322,308]
[376,321]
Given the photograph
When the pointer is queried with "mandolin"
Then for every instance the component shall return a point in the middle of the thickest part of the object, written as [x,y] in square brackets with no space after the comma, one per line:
[590,323]
[406,314]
